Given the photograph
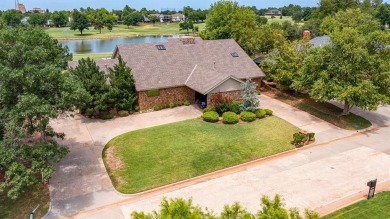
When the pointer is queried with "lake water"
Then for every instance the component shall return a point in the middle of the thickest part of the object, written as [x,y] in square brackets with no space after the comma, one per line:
[108,45]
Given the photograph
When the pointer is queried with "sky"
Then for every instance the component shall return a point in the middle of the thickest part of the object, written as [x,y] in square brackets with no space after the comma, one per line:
[138,4]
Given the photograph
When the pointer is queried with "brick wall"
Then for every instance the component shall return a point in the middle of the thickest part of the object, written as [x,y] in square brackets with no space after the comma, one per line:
[258,82]
[234,95]
[167,96]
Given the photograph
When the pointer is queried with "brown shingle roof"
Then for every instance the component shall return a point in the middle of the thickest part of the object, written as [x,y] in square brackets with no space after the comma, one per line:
[104,65]
[153,68]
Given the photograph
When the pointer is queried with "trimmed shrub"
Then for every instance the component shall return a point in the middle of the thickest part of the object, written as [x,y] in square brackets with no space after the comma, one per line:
[298,139]
[136,108]
[187,103]
[248,116]
[172,105]
[89,112]
[268,112]
[153,93]
[229,118]
[221,103]
[156,107]
[260,113]
[235,107]
[107,117]
[312,136]
[205,110]
[211,116]
[123,113]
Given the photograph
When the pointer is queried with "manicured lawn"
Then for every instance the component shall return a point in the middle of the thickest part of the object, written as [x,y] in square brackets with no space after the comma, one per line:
[120,31]
[94,56]
[148,158]
[278,20]
[376,208]
[21,208]
[323,110]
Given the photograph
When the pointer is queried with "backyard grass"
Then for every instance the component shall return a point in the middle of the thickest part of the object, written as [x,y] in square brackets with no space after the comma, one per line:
[21,207]
[323,110]
[153,157]
[93,56]
[119,31]
[376,208]
[278,20]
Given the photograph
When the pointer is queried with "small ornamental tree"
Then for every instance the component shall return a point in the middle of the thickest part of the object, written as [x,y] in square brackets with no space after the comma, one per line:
[249,95]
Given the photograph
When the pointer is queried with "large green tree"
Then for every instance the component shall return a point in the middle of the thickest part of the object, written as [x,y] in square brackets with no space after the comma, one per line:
[94,82]
[226,19]
[34,88]
[122,86]
[383,14]
[132,18]
[37,19]
[186,25]
[12,17]
[59,18]
[354,69]
[79,22]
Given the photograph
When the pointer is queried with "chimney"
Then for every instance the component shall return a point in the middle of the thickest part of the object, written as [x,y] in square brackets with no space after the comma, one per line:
[188,40]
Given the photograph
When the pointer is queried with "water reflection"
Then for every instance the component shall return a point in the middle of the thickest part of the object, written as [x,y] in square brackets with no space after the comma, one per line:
[107,45]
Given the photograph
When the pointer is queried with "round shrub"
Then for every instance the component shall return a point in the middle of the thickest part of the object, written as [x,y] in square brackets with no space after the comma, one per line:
[268,112]
[107,117]
[205,110]
[260,113]
[89,112]
[229,118]
[235,107]
[187,103]
[248,116]
[156,108]
[210,116]
[123,113]
[136,108]
[172,105]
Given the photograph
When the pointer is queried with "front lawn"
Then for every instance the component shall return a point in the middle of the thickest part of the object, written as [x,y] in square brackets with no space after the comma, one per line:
[93,56]
[21,207]
[148,158]
[323,110]
[376,208]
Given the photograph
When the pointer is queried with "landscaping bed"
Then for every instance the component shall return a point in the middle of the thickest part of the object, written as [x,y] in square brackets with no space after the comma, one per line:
[323,110]
[376,208]
[21,207]
[153,157]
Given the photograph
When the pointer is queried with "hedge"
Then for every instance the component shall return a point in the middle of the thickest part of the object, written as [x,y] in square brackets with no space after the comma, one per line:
[229,118]
[210,116]
[268,112]
[107,117]
[123,113]
[248,116]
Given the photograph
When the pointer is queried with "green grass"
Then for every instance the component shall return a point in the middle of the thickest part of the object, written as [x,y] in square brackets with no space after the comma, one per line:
[376,208]
[278,20]
[120,31]
[93,56]
[323,110]
[21,207]
[148,158]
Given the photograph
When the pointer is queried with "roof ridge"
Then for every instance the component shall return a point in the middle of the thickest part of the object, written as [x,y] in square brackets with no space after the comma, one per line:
[191,74]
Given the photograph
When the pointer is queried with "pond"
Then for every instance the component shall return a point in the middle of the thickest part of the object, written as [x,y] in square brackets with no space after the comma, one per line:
[108,45]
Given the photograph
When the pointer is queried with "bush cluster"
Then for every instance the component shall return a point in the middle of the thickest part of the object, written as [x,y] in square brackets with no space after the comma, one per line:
[268,112]
[89,112]
[298,139]
[247,116]
[210,116]
[222,104]
[123,113]
[158,107]
[107,117]
[229,118]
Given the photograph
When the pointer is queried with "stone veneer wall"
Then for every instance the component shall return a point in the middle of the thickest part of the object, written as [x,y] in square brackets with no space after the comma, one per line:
[258,83]
[234,95]
[167,96]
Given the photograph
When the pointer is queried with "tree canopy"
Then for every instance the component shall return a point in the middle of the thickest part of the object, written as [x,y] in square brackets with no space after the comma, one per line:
[79,22]
[12,17]
[34,88]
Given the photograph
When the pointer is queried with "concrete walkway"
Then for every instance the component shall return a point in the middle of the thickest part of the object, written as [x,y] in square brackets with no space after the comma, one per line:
[81,181]
[81,187]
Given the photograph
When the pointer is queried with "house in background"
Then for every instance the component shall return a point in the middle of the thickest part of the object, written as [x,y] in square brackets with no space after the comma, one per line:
[178,17]
[164,18]
[185,69]
[274,12]
[40,10]
[21,8]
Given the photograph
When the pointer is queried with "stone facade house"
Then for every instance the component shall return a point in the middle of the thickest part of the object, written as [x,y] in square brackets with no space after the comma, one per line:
[178,17]
[185,69]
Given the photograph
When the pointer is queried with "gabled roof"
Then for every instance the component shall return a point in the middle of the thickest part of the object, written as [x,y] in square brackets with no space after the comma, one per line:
[156,69]
[104,65]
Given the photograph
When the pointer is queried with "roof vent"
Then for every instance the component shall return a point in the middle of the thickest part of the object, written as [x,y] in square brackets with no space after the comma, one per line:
[234,54]
[188,40]
[161,47]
